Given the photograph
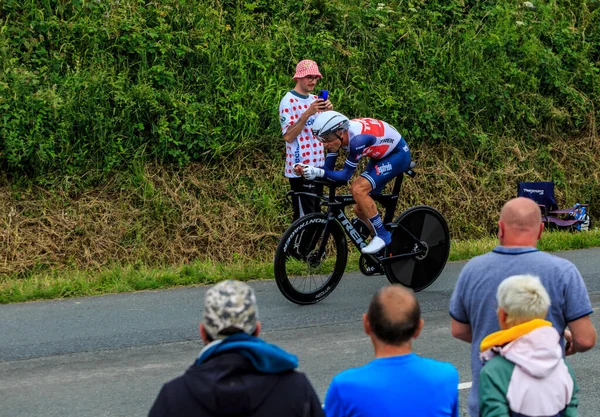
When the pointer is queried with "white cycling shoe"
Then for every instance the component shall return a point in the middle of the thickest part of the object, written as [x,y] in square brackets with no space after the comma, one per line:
[375,246]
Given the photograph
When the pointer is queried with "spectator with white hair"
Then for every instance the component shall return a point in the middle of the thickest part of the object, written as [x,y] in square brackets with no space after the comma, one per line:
[524,372]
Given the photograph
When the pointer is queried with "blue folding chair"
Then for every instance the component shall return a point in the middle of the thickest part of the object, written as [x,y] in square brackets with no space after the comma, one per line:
[543,194]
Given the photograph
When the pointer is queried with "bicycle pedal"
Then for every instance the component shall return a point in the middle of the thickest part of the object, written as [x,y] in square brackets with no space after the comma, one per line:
[368,267]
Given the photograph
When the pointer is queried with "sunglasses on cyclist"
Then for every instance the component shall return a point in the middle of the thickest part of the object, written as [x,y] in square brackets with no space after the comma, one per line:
[330,137]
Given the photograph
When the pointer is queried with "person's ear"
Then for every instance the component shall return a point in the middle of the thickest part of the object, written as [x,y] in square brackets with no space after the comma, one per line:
[502,318]
[419,328]
[366,325]
[500,230]
[541,230]
[258,329]
[203,333]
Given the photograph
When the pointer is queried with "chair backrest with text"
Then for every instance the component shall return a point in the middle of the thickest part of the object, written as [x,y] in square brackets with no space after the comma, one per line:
[574,218]
[540,192]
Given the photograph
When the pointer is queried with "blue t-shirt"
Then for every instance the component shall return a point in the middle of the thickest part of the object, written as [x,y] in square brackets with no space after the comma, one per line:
[406,385]
[474,298]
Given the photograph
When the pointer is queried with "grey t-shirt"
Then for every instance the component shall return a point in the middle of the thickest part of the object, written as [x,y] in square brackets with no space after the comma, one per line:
[474,298]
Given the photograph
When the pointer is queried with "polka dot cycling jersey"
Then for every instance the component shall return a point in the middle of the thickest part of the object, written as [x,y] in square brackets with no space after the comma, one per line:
[305,149]
[373,138]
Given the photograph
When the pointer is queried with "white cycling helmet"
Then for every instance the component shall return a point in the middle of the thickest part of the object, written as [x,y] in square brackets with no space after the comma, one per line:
[329,122]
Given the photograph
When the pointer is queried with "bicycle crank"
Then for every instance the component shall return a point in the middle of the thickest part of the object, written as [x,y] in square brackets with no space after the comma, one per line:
[368,267]
[314,260]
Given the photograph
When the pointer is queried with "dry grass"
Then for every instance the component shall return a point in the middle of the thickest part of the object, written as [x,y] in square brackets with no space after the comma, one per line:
[235,211]
[166,216]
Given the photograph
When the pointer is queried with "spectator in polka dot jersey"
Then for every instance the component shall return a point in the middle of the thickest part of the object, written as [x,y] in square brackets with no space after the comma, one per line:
[297,112]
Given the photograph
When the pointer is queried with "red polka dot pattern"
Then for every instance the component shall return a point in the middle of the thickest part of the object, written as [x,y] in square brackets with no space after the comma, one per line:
[306,148]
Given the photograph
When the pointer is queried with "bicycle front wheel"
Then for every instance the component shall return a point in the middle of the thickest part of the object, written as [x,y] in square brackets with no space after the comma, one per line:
[427,226]
[305,274]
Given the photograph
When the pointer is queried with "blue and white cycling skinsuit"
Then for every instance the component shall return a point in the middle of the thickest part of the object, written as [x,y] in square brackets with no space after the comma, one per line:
[380,142]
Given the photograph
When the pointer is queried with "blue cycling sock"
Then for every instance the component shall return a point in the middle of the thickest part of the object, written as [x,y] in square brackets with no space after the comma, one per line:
[380,230]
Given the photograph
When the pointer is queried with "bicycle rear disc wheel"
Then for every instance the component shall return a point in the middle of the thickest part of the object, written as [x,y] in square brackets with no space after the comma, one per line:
[428,226]
[302,274]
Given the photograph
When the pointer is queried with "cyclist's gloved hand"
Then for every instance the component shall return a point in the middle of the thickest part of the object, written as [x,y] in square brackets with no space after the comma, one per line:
[310,172]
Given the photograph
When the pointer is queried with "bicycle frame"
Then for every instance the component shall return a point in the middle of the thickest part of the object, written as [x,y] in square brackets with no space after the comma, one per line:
[335,212]
[312,254]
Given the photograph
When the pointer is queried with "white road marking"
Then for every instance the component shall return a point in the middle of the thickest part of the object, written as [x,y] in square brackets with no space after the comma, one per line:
[465,385]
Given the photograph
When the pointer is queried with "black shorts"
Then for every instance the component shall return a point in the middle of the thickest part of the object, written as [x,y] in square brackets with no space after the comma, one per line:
[304,204]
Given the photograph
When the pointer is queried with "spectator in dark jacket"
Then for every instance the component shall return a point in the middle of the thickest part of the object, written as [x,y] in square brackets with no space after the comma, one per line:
[237,374]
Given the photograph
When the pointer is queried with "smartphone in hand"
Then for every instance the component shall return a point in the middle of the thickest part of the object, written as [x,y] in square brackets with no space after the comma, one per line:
[324,94]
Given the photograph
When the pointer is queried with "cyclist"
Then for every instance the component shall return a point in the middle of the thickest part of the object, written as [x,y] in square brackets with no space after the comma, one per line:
[389,156]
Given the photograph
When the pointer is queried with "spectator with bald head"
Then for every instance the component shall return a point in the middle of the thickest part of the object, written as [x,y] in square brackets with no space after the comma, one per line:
[397,382]
[473,305]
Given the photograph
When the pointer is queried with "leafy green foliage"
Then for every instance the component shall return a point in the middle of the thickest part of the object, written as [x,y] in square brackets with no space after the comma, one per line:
[93,85]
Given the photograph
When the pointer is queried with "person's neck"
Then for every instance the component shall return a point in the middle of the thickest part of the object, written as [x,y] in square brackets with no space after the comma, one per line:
[525,243]
[301,91]
[388,351]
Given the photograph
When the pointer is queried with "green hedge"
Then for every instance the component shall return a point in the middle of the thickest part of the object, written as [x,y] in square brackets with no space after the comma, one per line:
[94,85]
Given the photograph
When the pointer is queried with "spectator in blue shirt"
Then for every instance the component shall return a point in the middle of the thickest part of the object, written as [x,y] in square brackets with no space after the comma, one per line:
[397,382]
[473,304]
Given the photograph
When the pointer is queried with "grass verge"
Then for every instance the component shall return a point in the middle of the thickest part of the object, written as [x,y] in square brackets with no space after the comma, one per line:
[77,283]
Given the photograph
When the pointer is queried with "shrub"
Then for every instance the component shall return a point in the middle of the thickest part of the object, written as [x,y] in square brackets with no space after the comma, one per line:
[92,86]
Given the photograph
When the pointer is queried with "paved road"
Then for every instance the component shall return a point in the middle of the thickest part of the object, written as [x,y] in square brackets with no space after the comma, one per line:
[108,356]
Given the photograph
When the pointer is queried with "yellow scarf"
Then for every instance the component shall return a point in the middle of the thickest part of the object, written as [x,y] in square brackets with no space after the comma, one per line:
[503,337]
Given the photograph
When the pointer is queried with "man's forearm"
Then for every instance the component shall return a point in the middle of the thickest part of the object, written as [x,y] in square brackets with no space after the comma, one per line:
[465,337]
[461,331]
[583,335]
[293,131]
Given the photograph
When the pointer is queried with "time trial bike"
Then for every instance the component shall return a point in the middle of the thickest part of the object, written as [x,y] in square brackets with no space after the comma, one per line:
[312,254]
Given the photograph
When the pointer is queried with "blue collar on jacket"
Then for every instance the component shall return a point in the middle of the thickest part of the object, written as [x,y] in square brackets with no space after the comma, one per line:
[264,356]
